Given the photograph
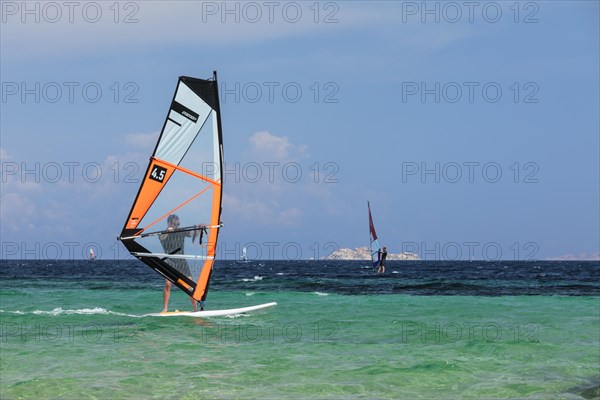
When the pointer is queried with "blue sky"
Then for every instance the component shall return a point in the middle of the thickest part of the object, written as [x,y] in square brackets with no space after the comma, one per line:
[473,129]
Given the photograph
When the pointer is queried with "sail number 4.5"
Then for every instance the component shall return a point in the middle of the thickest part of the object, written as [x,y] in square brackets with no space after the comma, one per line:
[158,173]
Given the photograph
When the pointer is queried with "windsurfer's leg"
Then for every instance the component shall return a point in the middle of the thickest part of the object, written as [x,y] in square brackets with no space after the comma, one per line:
[194,302]
[166,295]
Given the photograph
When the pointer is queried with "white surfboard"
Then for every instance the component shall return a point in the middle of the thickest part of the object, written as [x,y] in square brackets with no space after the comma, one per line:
[213,313]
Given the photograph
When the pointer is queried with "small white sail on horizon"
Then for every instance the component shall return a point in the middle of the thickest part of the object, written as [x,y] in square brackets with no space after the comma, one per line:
[244,256]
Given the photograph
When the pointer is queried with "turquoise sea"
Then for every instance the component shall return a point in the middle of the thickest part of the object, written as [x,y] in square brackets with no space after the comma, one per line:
[424,330]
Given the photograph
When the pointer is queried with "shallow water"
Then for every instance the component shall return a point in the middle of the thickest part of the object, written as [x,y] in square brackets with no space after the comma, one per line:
[429,331]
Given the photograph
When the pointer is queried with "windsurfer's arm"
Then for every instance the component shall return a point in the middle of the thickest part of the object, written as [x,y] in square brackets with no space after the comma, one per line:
[197,232]
[201,233]
[163,236]
[194,232]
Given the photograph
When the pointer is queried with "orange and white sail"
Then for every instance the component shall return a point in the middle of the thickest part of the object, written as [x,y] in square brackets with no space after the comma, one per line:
[183,183]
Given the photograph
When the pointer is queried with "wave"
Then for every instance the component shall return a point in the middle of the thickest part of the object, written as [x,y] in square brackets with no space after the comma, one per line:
[256,278]
[343,277]
[60,311]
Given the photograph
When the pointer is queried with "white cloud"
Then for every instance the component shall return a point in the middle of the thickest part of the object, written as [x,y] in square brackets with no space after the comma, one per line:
[285,189]
[246,210]
[266,145]
[40,199]
[55,211]
[92,30]
[141,140]
[263,212]
[62,29]
[290,217]
[16,210]
[20,176]
[4,154]
[262,202]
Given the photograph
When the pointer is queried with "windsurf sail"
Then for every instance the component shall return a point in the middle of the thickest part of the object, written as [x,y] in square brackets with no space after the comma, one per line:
[175,218]
[244,254]
[373,242]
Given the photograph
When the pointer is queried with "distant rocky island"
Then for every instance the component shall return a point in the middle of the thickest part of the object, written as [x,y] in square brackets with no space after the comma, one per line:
[363,253]
[578,257]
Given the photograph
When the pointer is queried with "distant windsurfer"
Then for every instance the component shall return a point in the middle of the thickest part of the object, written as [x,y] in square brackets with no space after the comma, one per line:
[382,257]
[173,244]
